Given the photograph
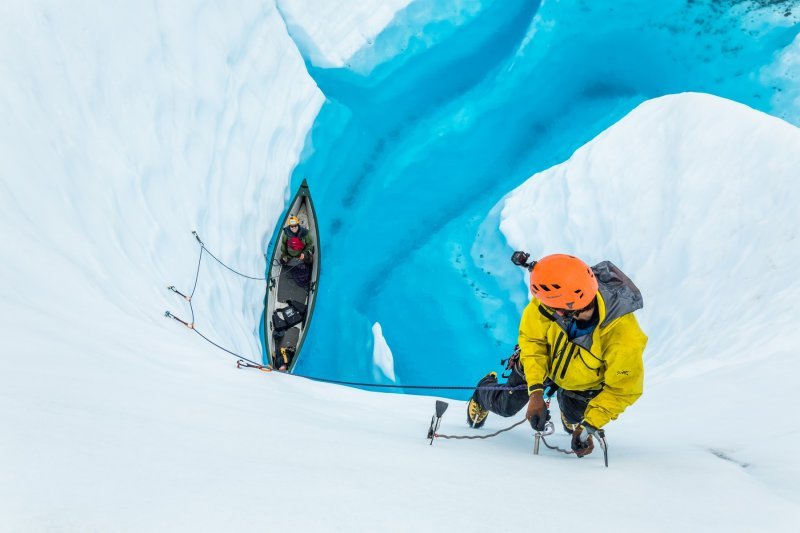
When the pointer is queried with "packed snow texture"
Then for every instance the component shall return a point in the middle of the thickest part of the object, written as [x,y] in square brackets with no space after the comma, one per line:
[784,73]
[329,35]
[124,126]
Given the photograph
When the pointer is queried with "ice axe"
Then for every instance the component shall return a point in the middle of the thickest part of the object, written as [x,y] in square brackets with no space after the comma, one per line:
[436,419]
[600,435]
[549,429]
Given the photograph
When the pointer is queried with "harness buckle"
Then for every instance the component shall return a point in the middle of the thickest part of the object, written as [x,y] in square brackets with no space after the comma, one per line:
[511,362]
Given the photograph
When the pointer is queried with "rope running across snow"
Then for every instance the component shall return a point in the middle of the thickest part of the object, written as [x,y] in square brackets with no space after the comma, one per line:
[245,362]
[490,435]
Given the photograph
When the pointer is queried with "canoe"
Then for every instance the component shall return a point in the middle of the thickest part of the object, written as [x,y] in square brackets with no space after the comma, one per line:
[289,305]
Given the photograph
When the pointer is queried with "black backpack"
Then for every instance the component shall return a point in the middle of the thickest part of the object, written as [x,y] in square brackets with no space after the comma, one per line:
[286,317]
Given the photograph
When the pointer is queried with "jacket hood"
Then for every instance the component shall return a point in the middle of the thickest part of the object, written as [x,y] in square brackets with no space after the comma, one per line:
[620,295]
[301,232]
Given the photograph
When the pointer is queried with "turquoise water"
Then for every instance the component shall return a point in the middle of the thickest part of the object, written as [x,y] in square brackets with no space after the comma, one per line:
[468,100]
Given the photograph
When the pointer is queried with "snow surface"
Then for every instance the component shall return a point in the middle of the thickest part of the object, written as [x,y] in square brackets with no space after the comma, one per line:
[784,73]
[124,126]
[329,35]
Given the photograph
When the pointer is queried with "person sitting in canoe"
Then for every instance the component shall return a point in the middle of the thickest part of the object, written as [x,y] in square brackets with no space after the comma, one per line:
[296,243]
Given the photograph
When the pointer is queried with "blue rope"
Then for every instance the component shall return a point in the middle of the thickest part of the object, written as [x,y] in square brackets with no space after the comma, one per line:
[249,363]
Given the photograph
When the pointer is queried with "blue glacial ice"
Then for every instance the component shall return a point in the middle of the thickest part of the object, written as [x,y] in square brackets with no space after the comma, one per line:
[450,108]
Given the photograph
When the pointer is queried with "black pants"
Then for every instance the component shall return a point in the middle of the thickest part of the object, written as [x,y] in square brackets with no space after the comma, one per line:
[510,402]
[503,402]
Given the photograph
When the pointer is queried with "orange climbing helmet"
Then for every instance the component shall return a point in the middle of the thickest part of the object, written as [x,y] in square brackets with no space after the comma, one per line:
[293,221]
[563,281]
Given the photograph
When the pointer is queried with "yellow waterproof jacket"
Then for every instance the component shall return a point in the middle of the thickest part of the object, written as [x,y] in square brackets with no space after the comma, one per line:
[610,358]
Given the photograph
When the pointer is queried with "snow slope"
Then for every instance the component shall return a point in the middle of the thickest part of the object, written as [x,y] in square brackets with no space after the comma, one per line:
[123,131]
[125,126]
[329,34]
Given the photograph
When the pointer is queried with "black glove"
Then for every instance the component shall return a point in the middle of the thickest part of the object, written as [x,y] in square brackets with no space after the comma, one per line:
[537,413]
[582,443]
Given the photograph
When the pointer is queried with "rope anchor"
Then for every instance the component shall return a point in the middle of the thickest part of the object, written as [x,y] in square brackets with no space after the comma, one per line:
[187,324]
[176,291]
[244,364]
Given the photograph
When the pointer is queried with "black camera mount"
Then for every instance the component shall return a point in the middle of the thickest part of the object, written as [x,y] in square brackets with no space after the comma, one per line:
[520,258]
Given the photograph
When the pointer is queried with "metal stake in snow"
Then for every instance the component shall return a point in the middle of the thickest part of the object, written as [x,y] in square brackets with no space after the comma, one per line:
[187,324]
[549,429]
[176,291]
[600,435]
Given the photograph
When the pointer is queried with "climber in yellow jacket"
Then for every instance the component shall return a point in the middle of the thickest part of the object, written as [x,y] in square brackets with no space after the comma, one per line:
[578,336]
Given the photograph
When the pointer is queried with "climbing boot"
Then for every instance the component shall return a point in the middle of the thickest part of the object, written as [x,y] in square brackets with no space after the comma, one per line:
[476,414]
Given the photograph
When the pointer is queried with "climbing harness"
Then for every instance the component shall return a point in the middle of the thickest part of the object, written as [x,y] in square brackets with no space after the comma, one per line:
[511,363]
